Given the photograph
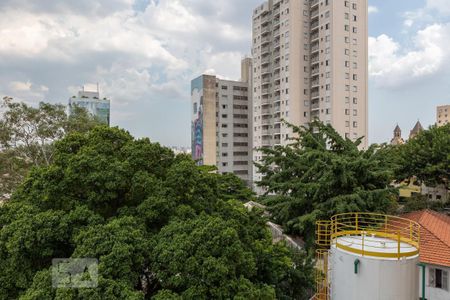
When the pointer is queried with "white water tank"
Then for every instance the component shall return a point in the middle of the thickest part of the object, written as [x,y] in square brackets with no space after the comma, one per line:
[382,269]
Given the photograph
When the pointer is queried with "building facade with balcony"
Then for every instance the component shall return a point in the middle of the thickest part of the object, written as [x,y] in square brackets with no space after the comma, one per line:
[221,123]
[310,61]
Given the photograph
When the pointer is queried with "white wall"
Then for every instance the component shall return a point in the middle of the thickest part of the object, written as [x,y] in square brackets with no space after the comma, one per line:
[432,293]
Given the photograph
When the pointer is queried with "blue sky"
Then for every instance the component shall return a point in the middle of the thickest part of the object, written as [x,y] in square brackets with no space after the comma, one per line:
[144,53]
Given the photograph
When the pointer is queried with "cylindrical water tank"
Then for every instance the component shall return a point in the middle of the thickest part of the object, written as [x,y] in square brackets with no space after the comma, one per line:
[357,277]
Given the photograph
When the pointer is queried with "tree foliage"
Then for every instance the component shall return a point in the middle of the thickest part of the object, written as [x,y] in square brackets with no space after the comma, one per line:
[27,134]
[320,174]
[426,157]
[160,226]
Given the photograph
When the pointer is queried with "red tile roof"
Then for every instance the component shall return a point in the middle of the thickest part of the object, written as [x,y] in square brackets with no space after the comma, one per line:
[434,236]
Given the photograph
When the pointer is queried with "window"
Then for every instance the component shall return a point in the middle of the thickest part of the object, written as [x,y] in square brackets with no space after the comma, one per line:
[347,64]
[355,112]
[328,87]
[347,88]
[355,124]
[355,41]
[224,125]
[224,116]
[346,4]
[438,278]
[355,100]
[347,123]
[347,112]
[347,51]
[347,39]
[355,30]
[347,100]
[224,87]
[327,26]
[327,14]
[347,75]
[347,28]
[224,154]
[354,5]
[354,18]
[327,99]
[355,88]
[355,77]
[355,65]
[346,16]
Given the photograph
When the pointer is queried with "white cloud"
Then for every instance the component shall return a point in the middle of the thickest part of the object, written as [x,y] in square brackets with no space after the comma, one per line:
[20,86]
[440,6]
[392,66]
[373,9]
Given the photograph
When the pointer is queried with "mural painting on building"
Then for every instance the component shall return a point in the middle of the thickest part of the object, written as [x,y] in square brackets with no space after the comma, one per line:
[197,120]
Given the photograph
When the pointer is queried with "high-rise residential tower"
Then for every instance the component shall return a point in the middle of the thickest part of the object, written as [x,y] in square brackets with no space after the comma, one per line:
[221,123]
[442,115]
[99,108]
[310,61]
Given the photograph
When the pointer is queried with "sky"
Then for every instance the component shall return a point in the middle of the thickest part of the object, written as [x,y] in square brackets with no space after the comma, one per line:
[144,53]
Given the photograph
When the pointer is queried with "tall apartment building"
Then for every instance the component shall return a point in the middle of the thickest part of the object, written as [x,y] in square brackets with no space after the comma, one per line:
[221,123]
[100,108]
[310,61]
[442,115]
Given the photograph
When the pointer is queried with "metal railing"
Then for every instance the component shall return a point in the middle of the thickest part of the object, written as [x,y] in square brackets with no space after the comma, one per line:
[359,227]
[321,275]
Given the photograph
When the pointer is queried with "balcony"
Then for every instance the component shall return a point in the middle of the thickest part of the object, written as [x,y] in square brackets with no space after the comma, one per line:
[265,61]
[314,3]
[277,130]
[264,50]
[266,142]
[265,80]
[276,65]
[265,112]
[314,36]
[276,53]
[315,48]
[315,71]
[315,83]
[265,40]
[276,44]
[265,91]
[266,121]
[266,132]
[315,105]
[314,25]
[265,19]
[314,95]
[265,71]
[276,32]
[276,76]
[265,30]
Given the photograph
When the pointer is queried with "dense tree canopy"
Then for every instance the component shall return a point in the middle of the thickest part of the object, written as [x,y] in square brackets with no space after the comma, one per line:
[161,227]
[321,174]
[426,157]
[27,134]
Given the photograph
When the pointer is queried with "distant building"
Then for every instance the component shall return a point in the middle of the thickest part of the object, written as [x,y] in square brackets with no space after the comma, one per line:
[221,123]
[416,130]
[397,139]
[180,150]
[100,108]
[434,253]
[442,115]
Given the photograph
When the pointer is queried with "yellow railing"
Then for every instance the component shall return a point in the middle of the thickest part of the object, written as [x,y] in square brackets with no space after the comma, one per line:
[321,275]
[358,227]
[323,233]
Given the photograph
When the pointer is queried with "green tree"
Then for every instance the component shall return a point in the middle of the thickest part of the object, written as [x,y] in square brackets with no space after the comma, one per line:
[27,135]
[159,225]
[426,157]
[320,174]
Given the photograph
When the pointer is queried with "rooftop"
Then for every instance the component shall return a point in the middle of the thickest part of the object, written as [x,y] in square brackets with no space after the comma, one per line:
[434,236]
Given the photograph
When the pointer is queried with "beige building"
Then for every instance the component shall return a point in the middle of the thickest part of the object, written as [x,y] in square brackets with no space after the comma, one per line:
[221,123]
[442,115]
[310,61]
